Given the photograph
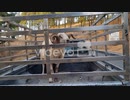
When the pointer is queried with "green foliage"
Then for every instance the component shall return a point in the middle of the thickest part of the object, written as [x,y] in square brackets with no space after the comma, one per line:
[6,14]
[82,20]
[53,21]
[35,22]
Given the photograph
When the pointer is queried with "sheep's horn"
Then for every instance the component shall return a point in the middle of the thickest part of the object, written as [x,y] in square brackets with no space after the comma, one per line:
[51,37]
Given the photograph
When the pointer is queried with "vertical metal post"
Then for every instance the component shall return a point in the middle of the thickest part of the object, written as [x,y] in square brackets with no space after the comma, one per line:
[37,50]
[125,33]
[26,45]
[65,22]
[9,42]
[105,38]
[96,46]
[46,34]
[90,36]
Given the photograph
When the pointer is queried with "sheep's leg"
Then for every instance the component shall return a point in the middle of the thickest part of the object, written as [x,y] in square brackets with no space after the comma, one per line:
[43,65]
[52,71]
[57,66]
[51,67]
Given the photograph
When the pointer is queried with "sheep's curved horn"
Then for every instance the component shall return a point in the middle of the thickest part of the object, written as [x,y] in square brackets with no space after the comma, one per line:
[71,35]
[51,37]
[55,39]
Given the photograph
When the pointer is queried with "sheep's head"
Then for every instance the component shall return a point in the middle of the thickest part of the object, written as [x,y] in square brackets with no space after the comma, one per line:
[63,37]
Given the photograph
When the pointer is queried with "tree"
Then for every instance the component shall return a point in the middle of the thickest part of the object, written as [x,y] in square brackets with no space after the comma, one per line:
[7,14]
[82,20]
[70,20]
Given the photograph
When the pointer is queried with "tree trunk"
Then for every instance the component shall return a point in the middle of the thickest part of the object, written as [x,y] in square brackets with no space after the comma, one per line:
[59,23]
[65,22]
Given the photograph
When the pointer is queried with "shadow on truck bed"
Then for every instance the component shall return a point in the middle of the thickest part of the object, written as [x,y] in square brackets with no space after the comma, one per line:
[66,67]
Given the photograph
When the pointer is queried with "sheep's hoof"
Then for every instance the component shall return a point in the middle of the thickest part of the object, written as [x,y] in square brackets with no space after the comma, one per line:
[56,71]
[28,81]
[50,80]
[56,80]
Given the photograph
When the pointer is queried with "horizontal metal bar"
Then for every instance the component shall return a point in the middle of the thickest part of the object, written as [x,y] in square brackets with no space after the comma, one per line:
[88,28]
[100,83]
[61,45]
[65,60]
[102,43]
[88,59]
[105,33]
[11,33]
[5,29]
[35,17]
[109,53]
[69,74]
[15,56]
[21,47]
[107,43]
[111,19]
[16,24]
[8,39]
